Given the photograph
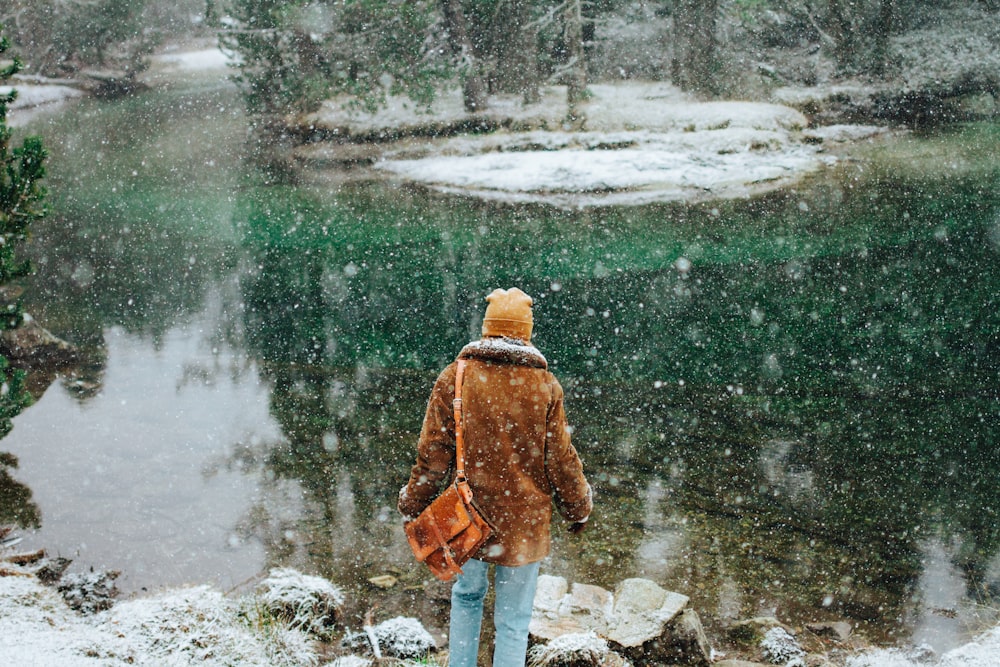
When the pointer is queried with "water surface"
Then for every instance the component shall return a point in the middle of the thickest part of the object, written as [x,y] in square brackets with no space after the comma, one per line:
[786,405]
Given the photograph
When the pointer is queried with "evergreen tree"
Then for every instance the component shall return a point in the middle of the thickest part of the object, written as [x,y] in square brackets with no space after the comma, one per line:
[21,196]
[293,54]
[62,37]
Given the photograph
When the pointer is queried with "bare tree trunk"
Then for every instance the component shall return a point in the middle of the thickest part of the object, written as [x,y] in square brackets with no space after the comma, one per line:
[841,29]
[695,65]
[474,87]
[517,53]
[576,89]
[886,26]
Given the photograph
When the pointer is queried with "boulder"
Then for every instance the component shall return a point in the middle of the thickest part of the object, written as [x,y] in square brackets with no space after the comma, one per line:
[559,611]
[31,344]
[641,620]
[838,630]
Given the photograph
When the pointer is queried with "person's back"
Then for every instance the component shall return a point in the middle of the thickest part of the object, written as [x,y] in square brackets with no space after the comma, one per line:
[519,459]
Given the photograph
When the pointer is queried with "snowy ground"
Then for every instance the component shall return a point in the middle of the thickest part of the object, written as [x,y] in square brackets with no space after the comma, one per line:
[179,627]
[34,98]
[201,626]
[37,95]
[632,143]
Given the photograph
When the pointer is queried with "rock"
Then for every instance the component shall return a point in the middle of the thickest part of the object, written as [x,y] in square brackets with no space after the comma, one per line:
[681,642]
[558,611]
[32,344]
[401,637]
[641,610]
[738,663]
[641,620]
[839,630]
[752,631]
[383,581]
[780,647]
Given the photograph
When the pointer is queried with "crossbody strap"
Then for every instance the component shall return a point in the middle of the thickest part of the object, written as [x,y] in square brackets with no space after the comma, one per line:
[459,438]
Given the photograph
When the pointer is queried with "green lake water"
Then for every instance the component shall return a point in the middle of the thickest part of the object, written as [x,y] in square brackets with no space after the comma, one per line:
[786,405]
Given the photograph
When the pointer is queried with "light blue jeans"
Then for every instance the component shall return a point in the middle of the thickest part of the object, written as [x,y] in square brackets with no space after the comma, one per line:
[515,593]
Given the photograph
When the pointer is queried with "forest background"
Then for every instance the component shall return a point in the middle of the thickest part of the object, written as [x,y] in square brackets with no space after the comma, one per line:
[293,54]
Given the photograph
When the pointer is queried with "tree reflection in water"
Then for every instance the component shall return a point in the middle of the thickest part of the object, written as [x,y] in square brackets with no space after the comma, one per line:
[781,401]
[775,414]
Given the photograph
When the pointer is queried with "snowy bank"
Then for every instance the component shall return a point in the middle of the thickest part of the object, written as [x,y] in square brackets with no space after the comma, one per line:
[201,626]
[179,627]
[629,143]
[37,97]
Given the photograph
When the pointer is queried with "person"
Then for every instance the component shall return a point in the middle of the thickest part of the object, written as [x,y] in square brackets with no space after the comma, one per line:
[518,459]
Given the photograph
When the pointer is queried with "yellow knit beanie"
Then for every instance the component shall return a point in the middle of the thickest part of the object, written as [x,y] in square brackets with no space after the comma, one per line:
[508,314]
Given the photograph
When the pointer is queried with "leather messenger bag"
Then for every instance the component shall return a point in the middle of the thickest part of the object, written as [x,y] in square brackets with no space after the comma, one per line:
[451,529]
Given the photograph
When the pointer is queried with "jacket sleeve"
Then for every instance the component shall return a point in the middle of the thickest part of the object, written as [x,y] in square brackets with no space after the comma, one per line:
[435,449]
[572,492]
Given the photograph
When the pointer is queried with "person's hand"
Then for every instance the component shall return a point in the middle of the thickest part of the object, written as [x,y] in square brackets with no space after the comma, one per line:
[577,527]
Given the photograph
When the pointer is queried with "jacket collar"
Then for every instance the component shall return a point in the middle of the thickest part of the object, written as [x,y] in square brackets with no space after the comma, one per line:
[504,351]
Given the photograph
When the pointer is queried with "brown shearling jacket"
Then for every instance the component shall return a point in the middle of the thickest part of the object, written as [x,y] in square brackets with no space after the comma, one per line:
[518,454]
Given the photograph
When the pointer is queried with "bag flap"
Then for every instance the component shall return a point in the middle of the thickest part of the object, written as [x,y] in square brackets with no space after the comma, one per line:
[443,519]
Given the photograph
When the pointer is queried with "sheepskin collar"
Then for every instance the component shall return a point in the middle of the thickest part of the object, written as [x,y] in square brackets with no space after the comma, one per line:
[504,351]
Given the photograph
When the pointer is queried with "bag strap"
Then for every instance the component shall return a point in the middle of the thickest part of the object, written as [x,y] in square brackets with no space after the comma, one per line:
[459,438]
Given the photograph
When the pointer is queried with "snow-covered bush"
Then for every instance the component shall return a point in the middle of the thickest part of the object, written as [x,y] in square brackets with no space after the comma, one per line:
[580,649]
[89,592]
[780,647]
[305,602]
[198,626]
[403,637]
[399,637]
[351,661]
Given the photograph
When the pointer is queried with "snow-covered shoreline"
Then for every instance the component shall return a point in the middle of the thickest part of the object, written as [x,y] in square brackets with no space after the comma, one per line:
[35,97]
[630,143]
[199,625]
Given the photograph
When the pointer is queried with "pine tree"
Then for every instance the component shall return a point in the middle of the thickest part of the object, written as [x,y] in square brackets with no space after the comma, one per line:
[21,197]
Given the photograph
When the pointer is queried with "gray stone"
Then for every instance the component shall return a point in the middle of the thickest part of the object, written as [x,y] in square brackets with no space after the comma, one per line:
[752,630]
[838,630]
[31,344]
[559,610]
[641,610]
[644,622]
